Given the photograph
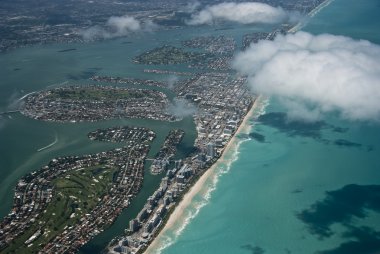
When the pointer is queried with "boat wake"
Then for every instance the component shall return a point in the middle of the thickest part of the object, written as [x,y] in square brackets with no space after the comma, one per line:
[49,145]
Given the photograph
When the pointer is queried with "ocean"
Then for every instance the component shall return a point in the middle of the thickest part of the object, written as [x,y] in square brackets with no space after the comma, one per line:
[294,187]
[279,191]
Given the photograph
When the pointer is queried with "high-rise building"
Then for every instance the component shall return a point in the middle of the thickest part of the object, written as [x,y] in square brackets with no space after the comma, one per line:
[210,150]
[133,225]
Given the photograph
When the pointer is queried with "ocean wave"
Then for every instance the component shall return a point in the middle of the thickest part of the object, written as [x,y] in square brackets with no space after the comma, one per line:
[204,196]
[190,213]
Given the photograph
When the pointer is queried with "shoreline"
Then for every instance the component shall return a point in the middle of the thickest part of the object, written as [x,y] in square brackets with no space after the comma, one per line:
[244,127]
[187,199]
[311,14]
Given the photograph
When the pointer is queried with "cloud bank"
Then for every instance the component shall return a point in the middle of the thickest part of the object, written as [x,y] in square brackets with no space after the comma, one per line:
[316,74]
[245,13]
[191,6]
[171,81]
[118,27]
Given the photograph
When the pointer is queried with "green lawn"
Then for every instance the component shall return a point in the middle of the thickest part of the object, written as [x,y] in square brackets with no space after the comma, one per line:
[76,192]
[91,94]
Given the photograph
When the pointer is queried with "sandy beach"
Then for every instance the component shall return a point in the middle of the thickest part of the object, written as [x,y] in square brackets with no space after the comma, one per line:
[197,187]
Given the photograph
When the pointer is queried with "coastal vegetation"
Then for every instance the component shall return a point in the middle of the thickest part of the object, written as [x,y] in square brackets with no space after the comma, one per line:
[75,195]
[92,94]
[94,103]
[64,204]
[170,55]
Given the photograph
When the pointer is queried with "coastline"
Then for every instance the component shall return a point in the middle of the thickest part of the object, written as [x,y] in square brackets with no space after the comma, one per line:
[244,127]
[187,199]
[311,14]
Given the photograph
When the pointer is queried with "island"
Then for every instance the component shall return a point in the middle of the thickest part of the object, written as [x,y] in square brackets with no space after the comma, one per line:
[129,81]
[122,134]
[167,54]
[63,205]
[167,151]
[215,57]
[94,103]
[213,44]
[223,102]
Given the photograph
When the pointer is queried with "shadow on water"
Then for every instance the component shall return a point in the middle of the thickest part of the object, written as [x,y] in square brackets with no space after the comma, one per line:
[341,206]
[279,121]
[367,241]
[253,249]
[84,75]
[346,143]
[257,136]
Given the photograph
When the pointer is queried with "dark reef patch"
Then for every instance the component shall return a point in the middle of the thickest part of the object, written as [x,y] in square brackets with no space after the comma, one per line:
[363,240]
[66,50]
[257,136]
[339,129]
[346,143]
[253,249]
[296,191]
[84,74]
[280,121]
[340,206]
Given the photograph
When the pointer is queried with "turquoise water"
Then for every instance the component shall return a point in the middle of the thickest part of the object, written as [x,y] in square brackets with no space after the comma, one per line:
[306,188]
[35,68]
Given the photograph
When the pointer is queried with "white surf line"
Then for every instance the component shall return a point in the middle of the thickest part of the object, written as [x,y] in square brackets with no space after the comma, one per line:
[53,85]
[26,95]
[58,84]
[219,168]
[49,145]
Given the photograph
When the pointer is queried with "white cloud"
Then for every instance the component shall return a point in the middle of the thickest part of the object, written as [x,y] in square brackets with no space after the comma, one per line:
[117,27]
[245,13]
[181,108]
[318,74]
[123,25]
[191,6]
[172,80]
